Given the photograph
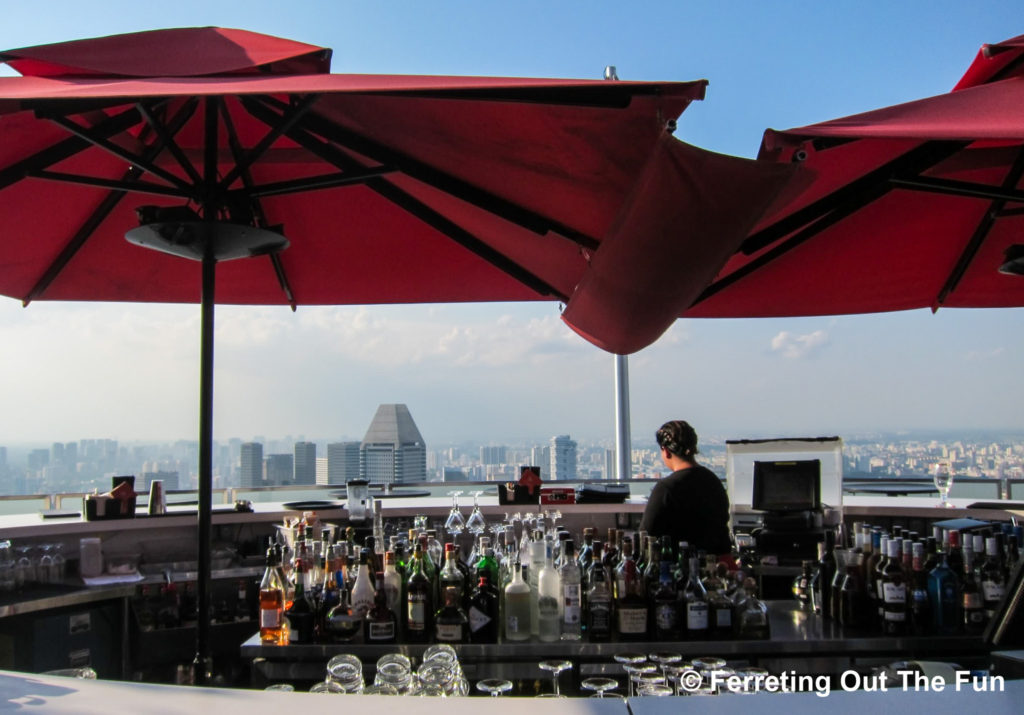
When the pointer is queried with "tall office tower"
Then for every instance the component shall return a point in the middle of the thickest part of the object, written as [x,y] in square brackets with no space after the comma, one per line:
[609,466]
[393,451]
[563,459]
[251,472]
[540,457]
[321,470]
[305,463]
[342,462]
[57,453]
[71,454]
[280,469]
[492,455]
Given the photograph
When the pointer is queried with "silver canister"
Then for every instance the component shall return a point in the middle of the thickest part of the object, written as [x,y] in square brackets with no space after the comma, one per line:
[157,499]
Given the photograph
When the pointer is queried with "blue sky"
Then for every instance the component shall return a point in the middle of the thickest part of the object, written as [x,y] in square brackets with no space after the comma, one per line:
[507,372]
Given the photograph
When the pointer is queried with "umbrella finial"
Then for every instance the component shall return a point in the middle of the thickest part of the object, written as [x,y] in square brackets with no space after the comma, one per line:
[610,73]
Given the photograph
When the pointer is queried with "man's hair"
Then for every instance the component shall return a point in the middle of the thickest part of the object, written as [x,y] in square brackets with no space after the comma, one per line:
[678,437]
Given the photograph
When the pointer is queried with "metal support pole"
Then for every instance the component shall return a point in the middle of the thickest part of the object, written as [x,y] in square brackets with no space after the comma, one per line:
[623,448]
[201,665]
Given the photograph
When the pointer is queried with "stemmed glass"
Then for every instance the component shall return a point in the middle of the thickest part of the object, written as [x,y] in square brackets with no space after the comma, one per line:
[494,686]
[476,524]
[665,659]
[599,685]
[943,478]
[555,667]
[627,661]
[456,523]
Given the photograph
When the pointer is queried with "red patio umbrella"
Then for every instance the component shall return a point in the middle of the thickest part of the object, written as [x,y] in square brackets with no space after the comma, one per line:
[915,205]
[217,144]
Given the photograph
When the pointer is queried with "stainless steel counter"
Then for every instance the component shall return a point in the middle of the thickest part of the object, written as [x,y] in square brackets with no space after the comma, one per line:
[49,597]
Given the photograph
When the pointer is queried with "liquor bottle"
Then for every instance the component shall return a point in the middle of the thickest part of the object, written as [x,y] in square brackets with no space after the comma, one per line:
[620,571]
[392,582]
[1012,552]
[720,613]
[272,630]
[488,567]
[931,554]
[630,604]
[752,614]
[549,596]
[381,622]
[943,594]
[243,612]
[451,576]
[802,584]
[599,605]
[363,590]
[538,550]
[652,566]
[642,553]
[920,614]
[484,613]
[431,568]
[894,593]
[821,585]
[955,554]
[572,594]
[450,621]
[301,616]
[585,557]
[993,578]
[341,624]
[517,607]
[420,601]
[665,605]
[972,605]
[695,603]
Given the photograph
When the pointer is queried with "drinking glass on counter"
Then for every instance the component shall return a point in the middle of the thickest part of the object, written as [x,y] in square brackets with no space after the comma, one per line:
[943,478]
[555,667]
[600,685]
[347,671]
[494,686]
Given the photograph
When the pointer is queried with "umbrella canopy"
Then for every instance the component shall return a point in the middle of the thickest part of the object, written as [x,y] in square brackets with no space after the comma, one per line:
[216,144]
[916,205]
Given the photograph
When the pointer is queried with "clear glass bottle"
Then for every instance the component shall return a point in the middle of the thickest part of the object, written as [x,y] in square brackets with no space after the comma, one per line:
[271,611]
[572,594]
[363,590]
[752,618]
[695,604]
[451,576]
[549,594]
[630,605]
[517,607]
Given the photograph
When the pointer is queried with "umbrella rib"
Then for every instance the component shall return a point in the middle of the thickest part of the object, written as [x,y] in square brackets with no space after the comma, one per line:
[959,188]
[172,146]
[421,171]
[143,187]
[246,175]
[914,161]
[293,115]
[106,145]
[94,220]
[981,232]
[66,148]
[332,155]
[321,181]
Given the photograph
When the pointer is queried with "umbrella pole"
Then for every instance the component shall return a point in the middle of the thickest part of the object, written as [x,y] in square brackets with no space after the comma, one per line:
[623,450]
[202,665]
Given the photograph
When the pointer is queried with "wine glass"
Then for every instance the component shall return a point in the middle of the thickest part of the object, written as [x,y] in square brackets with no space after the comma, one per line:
[943,479]
[494,686]
[664,659]
[555,667]
[456,523]
[599,685]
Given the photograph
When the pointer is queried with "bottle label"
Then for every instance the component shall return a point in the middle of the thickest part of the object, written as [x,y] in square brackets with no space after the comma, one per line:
[632,620]
[572,594]
[896,616]
[512,625]
[600,617]
[417,614]
[697,616]
[993,591]
[666,617]
[972,601]
[477,619]
[723,618]
[270,618]
[381,631]
[449,632]
[894,592]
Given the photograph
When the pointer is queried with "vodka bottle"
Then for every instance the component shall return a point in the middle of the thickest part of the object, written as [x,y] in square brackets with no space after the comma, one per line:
[572,595]
[517,607]
[549,594]
[943,593]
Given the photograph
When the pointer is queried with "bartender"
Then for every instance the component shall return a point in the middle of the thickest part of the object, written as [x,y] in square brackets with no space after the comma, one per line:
[690,504]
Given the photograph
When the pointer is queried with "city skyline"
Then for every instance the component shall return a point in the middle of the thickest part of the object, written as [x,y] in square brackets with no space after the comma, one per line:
[514,372]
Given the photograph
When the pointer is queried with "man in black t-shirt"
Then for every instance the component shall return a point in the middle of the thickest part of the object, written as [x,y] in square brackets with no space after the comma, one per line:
[690,504]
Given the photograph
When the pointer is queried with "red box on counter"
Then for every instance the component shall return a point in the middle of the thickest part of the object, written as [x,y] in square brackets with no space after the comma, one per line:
[557,495]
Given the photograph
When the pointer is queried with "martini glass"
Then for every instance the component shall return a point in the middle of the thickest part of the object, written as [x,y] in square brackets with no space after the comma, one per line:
[456,523]
[494,686]
[476,524]
[943,478]
[599,685]
[628,660]
[555,667]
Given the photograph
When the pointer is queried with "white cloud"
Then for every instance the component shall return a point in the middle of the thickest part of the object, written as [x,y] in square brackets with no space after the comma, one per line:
[798,346]
[985,354]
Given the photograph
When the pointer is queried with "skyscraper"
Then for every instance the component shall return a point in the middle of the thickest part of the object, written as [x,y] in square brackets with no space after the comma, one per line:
[342,462]
[280,470]
[251,471]
[540,457]
[563,458]
[491,455]
[305,463]
[393,451]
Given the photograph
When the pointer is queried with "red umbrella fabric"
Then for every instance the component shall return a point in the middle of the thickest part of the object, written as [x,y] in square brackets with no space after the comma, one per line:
[913,206]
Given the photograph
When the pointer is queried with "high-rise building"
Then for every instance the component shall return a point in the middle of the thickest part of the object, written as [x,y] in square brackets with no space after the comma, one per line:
[540,457]
[305,463]
[610,466]
[342,462]
[251,460]
[321,470]
[493,455]
[393,451]
[563,458]
[280,469]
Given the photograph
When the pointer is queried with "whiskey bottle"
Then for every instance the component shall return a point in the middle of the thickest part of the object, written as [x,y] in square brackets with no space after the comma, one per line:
[420,601]
[271,604]
[381,623]
[450,621]
[894,593]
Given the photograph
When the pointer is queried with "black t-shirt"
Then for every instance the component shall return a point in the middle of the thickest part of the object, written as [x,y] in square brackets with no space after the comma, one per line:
[690,505]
